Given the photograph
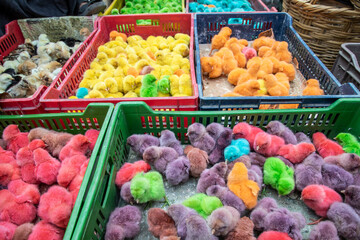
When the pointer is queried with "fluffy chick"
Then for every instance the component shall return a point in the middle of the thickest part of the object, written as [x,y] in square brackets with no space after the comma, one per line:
[247,131]
[296,153]
[78,145]
[23,231]
[212,65]
[198,161]
[178,171]
[24,192]
[263,41]
[223,220]
[236,149]
[312,88]
[92,135]
[219,40]
[212,176]
[179,213]
[244,230]
[129,170]
[147,187]
[14,138]
[349,142]
[352,197]
[348,161]
[248,88]
[199,138]
[224,140]
[324,231]
[267,145]
[7,230]
[140,142]
[302,137]
[270,235]
[279,129]
[335,177]
[309,171]
[69,169]
[197,228]
[46,167]
[160,157]
[203,204]
[75,184]
[125,193]
[326,147]
[45,230]
[168,139]
[160,223]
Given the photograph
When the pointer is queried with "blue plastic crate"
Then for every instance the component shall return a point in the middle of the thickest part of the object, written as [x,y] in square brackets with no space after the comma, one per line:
[248,26]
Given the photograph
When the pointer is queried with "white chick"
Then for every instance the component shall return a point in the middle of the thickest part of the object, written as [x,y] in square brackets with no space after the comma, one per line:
[2,69]
[64,50]
[23,56]
[43,40]
[5,81]
[33,81]
[11,64]
[56,72]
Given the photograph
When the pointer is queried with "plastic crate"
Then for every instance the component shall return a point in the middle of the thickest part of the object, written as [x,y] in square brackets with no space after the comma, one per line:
[257,5]
[208,25]
[55,99]
[137,118]
[96,116]
[346,67]
[31,105]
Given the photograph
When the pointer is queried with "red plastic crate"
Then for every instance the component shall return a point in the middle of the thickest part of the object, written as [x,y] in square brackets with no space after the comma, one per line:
[31,105]
[56,99]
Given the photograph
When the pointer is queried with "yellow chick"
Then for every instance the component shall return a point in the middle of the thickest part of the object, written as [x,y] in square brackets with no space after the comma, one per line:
[72,97]
[105,75]
[138,84]
[182,49]
[123,62]
[144,44]
[152,49]
[262,90]
[185,65]
[156,72]
[111,85]
[119,72]
[182,36]
[177,42]
[129,83]
[113,62]
[130,94]
[151,40]
[166,70]
[95,94]
[140,64]
[101,58]
[174,84]
[101,87]
[133,58]
[109,52]
[108,67]
[86,83]
[90,73]
[119,81]
[185,87]
[170,39]
[95,65]
[114,95]
[161,42]
[119,50]
[138,49]
[133,40]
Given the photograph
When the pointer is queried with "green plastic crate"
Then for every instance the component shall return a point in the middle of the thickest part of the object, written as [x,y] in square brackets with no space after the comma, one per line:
[136,117]
[96,116]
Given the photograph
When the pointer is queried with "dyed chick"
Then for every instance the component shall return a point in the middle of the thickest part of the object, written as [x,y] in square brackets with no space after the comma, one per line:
[247,131]
[279,129]
[45,230]
[92,135]
[212,176]
[46,167]
[129,170]
[199,138]
[236,149]
[198,161]
[219,40]
[349,143]
[178,171]
[204,205]
[140,142]
[324,231]
[326,147]
[301,137]
[123,223]
[78,145]
[271,235]
[14,139]
[336,177]
[23,231]
[147,187]
[227,197]
[160,157]
[125,193]
[352,197]
[148,87]
[312,88]
[279,176]
[7,230]
[238,182]
[214,130]
[267,145]
[9,169]
[168,139]
[197,228]
[224,140]
[55,206]
[309,171]
[296,153]
[179,213]
[348,161]
[69,168]
[243,230]
[223,220]
[160,223]
[257,159]
[347,222]
[24,192]
[319,198]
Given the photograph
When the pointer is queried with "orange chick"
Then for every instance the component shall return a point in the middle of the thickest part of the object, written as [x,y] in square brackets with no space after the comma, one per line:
[179,72]
[238,182]
[114,34]
[266,66]
[234,75]
[132,71]
[251,73]
[263,41]
[219,40]
[230,62]
[282,52]
[312,88]
[249,88]
[231,94]
[238,55]
[212,65]
[274,87]
[288,69]
[266,51]
[283,79]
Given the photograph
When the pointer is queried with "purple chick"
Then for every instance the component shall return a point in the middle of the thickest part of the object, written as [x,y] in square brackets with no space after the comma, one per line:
[160,157]
[212,176]
[352,197]
[356,176]
[199,138]
[197,228]
[223,220]
[348,161]
[325,230]
[335,177]
[257,159]
[178,171]
[125,193]
[140,142]
[179,213]
[279,129]
[263,207]
[347,222]
[215,130]
[123,223]
[224,140]
[309,171]
[168,139]
[255,174]
[302,137]
[227,197]
[286,161]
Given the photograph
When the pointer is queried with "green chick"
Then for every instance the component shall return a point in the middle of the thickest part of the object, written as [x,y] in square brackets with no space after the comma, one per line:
[349,143]
[163,85]
[115,11]
[148,87]
[279,175]
[203,204]
[145,187]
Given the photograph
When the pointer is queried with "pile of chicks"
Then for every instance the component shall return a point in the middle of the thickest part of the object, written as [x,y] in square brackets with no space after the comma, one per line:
[33,64]
[243,158]
[220,6]
[41,174]
[134,67]
[149,6]
[264,70]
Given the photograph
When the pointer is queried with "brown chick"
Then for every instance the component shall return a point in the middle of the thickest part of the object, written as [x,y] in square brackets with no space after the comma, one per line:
[274,87]
[312,88]
[160,223]
[288,69]
[26,67]
[198,161]
[85,32]
[263,41]
[23,231]
[219,40]
[234,75]
[51,66]
[249,88]
[212,65]
[282,52]
[244,230]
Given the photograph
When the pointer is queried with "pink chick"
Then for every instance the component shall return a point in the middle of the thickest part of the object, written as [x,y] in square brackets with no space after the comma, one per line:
[24,192]
[296,153]
[325,146]
[78,145]
[75,184]
[46,231]
[70,167]
[267,145]
[14,138]
[92,135]
[7,230]
[249,52]
[247,131]
[46,167]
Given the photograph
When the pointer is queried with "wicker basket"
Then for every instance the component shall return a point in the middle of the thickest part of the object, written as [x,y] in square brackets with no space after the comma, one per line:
[324,27]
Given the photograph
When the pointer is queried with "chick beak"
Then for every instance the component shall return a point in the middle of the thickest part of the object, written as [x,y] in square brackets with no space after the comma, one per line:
[343,191]
[257,148]
[213,231]
[137,201]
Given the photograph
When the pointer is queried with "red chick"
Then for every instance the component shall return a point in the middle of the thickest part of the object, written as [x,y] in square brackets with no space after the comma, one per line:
[247,131]
[78,145]
[46,167]
[296,153]
[92,135]
[129,170]
[14,138]
[70,167]
[325,146]
[319,198]
[75,184]
[9,170]
[7,230]
[46,231]
[273,235]
[267,144]
[55,206]
[24,192]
